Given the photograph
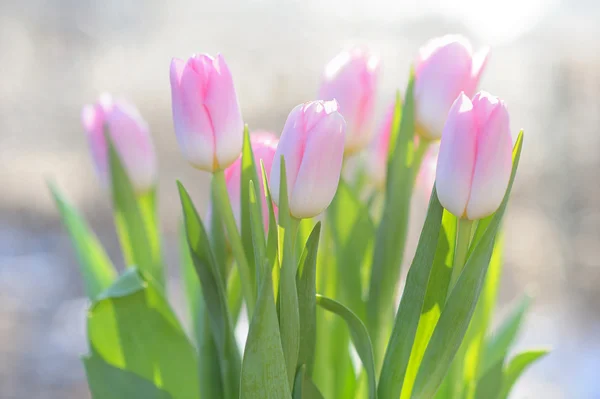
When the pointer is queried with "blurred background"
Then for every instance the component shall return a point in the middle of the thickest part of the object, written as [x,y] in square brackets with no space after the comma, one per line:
[59,54]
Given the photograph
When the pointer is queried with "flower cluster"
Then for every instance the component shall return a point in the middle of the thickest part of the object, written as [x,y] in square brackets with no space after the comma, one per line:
[287,232]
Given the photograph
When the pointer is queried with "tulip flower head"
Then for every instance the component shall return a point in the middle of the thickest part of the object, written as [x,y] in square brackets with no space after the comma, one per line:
[206,113]
[264,145]
[475,156]
[351,79]
[130,136]
[312,145]
[445,67]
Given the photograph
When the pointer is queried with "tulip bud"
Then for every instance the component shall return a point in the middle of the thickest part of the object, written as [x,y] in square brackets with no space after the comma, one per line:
[378,154]
[130,136]
[351,79]
[312,144]
[445,67]
[264,145]
[475,158]
[206,113]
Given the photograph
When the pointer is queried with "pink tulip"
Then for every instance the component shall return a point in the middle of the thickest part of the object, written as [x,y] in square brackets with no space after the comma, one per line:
[264,145]
[475,158]
[378,154]
[351,79]
[312,144]
[130,136]
[445,67]
[206,113]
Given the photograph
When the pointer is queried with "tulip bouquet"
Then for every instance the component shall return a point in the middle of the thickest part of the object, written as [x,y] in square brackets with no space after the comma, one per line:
[293,276]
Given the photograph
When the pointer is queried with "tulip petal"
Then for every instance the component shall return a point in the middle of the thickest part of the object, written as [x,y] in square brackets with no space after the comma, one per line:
[222,103]
[319,173]
[291,145]
[456,157]
[493,162]
[480,59]
[443,72]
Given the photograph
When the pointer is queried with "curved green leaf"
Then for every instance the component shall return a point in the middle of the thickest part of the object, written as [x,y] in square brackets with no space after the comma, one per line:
[400,346]
[131,225]
[132,327]
[517,366]
[106,381]
[306,285]
[214,294]
[96,268]
[360,338]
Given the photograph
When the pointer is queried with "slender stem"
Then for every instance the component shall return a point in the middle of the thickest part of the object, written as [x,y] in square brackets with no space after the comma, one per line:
[463,238]
[418,156]
[223,206]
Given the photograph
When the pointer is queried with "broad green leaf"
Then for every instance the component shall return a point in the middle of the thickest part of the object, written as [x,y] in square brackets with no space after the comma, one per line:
[249,177]
[214,294]
[264,373]
[473,345]
[352,231]
[132,327]
[360,338]
[391,233]
[489,384]
[209,375]
[456,316]
[499,343]
[517,366]
[96,268]
[306,280]
[435,298]
[273,233]
[257,231]
[304,388]
[148,205]
[399,348]
[131,226]
[234,295]
[106,381]
[289,317]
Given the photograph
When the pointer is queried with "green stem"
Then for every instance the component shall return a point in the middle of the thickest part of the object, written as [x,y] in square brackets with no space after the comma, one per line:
[223,206]
[463,238]
[418,156]
[149,211]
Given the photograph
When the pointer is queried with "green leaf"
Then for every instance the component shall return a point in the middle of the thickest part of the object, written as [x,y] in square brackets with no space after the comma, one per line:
[352,231]
[272,235]
[249,177]
[214,294]
[473,345]
[500,342]
[218,240]
[209,375]
[264,372]
[456,316]
[409,313]
[106,381]
[131,225]
[132,327]
[147,203]
[360,338]
[306,280]
[391,234]
[257,231]
[489,384]
[517,366]
[289,317]
[96,268]
[298,382]
[304,388]
[234,295]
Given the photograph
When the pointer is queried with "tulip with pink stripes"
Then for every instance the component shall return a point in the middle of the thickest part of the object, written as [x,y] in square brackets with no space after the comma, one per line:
[206,113]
